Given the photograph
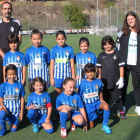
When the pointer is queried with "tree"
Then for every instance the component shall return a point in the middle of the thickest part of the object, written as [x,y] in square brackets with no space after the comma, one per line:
[74,15]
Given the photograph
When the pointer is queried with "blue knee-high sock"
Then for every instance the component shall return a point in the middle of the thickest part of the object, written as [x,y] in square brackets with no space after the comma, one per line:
[49,130]
[106,117]
[63,119]
[32,116]
[3,119]
[77,123]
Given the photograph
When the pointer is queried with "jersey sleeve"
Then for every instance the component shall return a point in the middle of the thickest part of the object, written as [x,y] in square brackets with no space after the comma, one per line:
[58,103]
[1,91]
[4,60]
[72,54]
[99,65]
[118,40]
[121,63]
[48,56]
[80,103]
[23,60]
[19,28]
[95,59]
[52,57]
[29,101]
[48,98]
[27,57]
[80,90]
[22,91]
[100,85]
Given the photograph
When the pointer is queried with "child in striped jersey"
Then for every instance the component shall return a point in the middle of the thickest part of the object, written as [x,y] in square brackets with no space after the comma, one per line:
[14,56]
[11,100]
[82,58]
[90,91]
[62,62]
[39,105]
[38,58]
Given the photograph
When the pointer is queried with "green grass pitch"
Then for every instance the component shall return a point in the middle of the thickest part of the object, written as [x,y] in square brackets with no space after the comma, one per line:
[121,129]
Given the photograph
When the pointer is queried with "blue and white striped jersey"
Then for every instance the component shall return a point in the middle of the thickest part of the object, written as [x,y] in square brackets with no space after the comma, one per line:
[18,59]
[11,94]
[73,100]
[37,60]
[81,60]
[39,101]
[89,90]
[61,57]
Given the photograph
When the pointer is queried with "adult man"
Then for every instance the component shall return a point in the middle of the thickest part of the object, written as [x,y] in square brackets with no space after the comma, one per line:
[8,26]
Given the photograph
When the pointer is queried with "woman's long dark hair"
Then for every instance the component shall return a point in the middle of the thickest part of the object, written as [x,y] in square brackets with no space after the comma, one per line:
[125,28]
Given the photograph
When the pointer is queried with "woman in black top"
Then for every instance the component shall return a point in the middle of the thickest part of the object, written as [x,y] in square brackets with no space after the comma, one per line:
[128,44]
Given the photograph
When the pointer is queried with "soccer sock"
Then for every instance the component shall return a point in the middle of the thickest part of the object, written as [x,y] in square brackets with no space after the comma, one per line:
[63,119]
[106,117]
[120,105]
[3,119]
[49,130]
[32,116]
[77,123]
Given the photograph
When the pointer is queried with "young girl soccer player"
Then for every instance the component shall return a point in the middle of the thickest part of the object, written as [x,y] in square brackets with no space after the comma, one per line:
[70,105]
[38,58]
[11,100]
[62,62]
[39,105]
[82,58]
[90,91]
[111,72]
[14,56]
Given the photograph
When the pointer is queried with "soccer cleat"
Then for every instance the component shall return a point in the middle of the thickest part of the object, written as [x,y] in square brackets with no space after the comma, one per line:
[137,110]
[107,129]
[63,132]
[2,132]
[35,128]
[73,127]
[122,115]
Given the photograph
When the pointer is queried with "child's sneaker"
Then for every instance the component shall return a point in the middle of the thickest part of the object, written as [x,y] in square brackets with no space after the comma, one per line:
[137,110]
[63,132]
[122,115]
[107,129]
[35,128]
[2,132]
[73,127]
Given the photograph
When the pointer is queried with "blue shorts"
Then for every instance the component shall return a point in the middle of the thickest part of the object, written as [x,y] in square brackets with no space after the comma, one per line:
[72,114]
[12,118]
[58,82]
[41,118]
[91,110]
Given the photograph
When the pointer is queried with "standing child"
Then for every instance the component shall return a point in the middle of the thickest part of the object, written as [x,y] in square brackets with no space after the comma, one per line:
[39,105]
[111,72]
[91,92]
[11,100]
[62,62]
[70,105]
[82,58]
[14,56]
[38,58]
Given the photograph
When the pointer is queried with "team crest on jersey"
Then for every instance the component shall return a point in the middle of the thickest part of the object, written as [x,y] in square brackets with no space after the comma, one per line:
[67,53]
[73,101]
[37,54]
[114,57]
[18,58]
[89,59]
[16,90]
[96,86]
[44,100]
[12,29]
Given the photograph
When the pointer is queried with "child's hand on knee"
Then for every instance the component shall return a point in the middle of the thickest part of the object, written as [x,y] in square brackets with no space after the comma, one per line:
[32,106]
[67,107]
[47,120]
[85,126]
[20,116]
